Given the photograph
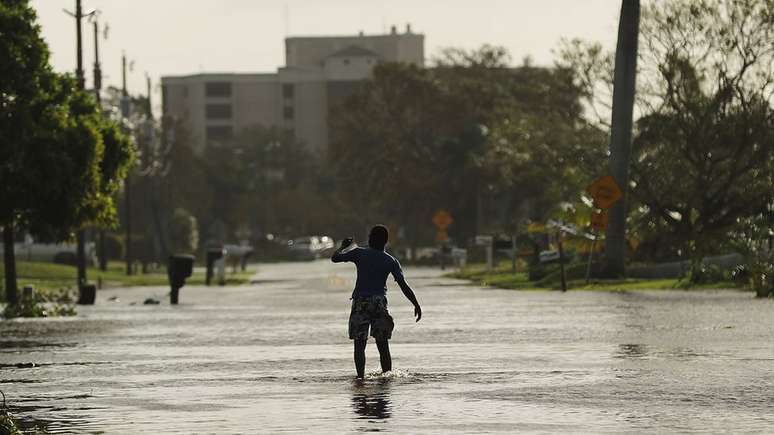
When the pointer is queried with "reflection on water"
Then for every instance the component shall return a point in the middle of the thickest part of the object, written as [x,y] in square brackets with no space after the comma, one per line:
[372,401]
[274,357]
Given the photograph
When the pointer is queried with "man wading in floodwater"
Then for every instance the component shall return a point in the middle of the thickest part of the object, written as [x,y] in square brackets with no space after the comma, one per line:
[369,300]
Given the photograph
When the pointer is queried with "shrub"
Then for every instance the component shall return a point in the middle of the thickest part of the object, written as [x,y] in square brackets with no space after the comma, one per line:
[706,274]
[67,258]
[7,426]
[183,232]
[42,304]
[537,271]
[761,266]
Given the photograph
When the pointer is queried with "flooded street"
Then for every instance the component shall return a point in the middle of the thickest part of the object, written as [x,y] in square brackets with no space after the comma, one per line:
[274,357]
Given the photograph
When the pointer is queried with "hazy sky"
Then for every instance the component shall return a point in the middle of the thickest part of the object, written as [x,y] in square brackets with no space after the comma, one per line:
[169,37]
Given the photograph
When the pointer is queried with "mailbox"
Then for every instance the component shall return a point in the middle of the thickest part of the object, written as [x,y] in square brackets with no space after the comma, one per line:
[179,268]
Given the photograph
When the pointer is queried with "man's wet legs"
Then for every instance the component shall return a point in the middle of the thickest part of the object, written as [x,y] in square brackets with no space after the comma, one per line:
[384,354]
[360,345]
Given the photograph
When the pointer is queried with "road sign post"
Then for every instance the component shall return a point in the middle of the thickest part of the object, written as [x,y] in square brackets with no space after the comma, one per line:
[591,255]
[561,259]
[442,220]
[599,220]
[513,254]
[605,193]
[487,242]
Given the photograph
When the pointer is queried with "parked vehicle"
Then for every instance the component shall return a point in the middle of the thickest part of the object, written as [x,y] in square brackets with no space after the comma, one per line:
[310,247]
[237,255]
[61,253]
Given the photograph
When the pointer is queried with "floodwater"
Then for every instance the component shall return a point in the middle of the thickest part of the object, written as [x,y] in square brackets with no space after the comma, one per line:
[274,357]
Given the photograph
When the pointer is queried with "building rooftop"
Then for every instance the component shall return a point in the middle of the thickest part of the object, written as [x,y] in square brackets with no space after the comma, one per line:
[225,75]
[360,35]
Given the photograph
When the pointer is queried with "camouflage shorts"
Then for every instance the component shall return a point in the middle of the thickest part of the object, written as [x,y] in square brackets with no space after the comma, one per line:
[370,312]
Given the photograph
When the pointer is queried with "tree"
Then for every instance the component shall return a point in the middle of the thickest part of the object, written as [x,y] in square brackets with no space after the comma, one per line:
[703,148]
[118,155]
[704,162]
[468,133]
[24,91]
[245,175]
[183,232]
[387,147]
[60,172]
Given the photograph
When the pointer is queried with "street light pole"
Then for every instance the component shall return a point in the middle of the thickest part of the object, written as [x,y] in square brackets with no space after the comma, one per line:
[80,235]
[78,49]
[97,68]
[80,252]
[127,181]
[98,97]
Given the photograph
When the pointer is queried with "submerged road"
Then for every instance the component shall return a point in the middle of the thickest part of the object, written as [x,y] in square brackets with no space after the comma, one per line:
[274,357]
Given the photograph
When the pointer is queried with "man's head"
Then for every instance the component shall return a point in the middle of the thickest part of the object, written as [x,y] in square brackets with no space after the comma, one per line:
[378,237]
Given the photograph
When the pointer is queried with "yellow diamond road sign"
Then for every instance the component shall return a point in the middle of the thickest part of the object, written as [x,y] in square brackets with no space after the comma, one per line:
[442,219]
[605,192]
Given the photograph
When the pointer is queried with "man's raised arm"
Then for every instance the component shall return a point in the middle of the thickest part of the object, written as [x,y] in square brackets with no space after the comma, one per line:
[340,257]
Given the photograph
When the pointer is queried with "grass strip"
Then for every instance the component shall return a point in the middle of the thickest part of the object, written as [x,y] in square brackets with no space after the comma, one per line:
[502,277]
[48,276]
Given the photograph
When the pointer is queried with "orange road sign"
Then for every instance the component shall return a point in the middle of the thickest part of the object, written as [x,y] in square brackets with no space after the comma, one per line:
[442,219]
[599,220]
[605,192]
[441,236]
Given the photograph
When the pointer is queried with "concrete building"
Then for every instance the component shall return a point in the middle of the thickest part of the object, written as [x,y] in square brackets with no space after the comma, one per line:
[319,73]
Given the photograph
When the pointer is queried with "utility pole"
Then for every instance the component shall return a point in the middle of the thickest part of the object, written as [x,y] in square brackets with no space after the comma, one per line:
[80,252]
[80,235]
[156,175]
[98,97]
[78,49]
[127,181]
[621,132]
[148,89]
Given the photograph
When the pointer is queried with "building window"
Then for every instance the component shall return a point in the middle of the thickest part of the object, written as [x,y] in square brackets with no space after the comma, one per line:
[288,112]
[219,133]
[288,90]
[218,111]
[218,89]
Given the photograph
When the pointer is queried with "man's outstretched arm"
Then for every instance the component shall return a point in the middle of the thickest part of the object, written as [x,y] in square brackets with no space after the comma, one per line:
[409,293]
[339,257]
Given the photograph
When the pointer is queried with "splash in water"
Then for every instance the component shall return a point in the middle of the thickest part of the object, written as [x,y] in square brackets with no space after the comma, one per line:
[394,374]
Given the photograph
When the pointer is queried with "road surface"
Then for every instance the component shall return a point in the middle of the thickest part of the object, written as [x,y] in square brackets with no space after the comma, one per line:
[273,356]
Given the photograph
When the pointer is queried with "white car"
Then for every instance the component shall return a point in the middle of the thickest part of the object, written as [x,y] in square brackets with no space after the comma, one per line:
[310,247]
[63,253]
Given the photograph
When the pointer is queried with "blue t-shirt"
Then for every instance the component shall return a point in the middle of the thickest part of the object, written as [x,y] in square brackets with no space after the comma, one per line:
[373,266]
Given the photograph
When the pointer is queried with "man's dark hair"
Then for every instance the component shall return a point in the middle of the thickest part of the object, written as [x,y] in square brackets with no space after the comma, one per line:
[378,237]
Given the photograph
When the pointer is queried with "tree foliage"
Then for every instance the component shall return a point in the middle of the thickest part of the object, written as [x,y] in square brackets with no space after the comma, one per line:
[702,159]
[60,159]
[183,232]
[469,134]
